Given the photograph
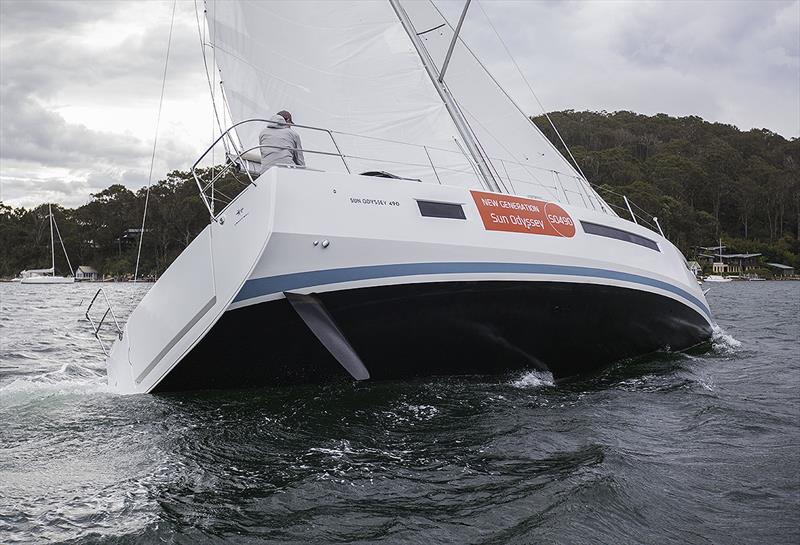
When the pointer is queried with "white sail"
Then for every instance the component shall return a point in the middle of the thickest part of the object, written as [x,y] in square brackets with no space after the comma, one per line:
[522,157]
[350,66]
[342,65]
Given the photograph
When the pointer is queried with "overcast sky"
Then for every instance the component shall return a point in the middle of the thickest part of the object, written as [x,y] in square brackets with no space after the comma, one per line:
[80,81]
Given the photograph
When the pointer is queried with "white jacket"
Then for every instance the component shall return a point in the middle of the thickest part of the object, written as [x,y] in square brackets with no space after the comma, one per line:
[280,144]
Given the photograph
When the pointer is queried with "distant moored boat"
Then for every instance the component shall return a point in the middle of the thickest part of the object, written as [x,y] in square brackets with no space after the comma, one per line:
[48,276]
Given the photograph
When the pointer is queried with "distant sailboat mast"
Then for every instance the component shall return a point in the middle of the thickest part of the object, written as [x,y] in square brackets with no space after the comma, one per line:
[52,243]
[39,276]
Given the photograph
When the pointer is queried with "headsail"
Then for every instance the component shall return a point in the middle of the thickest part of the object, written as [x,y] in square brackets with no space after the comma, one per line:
[520,154]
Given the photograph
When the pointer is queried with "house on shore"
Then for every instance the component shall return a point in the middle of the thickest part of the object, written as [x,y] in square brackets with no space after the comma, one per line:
[735,264]
[695,267]
[86,273]
[781,270]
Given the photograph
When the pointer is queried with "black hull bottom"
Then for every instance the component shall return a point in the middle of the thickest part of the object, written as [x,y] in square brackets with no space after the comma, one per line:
[444,328]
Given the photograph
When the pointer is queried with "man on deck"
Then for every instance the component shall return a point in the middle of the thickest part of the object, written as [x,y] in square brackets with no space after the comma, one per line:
[280,144]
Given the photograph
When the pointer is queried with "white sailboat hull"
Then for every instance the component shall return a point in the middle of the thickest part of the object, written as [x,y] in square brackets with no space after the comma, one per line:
[412,294]
[48,280]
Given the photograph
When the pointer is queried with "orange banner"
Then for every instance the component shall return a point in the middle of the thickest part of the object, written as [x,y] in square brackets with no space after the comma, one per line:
[521,215]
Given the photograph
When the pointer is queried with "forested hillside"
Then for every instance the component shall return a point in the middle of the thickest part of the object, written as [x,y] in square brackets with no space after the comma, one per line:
[97,233]
[703,181]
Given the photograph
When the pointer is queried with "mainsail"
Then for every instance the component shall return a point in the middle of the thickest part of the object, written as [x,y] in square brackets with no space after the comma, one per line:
[351,67]
[342,65]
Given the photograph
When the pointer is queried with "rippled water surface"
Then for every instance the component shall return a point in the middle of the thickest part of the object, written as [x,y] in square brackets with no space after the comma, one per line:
[674,448]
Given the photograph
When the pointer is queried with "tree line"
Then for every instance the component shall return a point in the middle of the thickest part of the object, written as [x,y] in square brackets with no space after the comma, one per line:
[104,233]
[704,181]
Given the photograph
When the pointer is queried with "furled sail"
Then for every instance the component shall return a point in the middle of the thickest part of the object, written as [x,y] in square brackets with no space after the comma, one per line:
[350,67]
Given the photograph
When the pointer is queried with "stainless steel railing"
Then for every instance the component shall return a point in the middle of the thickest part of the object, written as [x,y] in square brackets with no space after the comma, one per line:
[96,326]
[240,162]
[514,176]
[640,218]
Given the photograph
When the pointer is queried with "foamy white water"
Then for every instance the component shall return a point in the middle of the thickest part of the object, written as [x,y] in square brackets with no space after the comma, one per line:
[647,448]
[534,379]
[723,341]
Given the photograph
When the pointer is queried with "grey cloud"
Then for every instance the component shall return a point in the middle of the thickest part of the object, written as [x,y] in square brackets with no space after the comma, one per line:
[29,132]
[46,63]
[29,15]
[53,185]
[700,34]
[31,191]
[43,60]
[733,62]
[34,140]
[28,184]
[713,39]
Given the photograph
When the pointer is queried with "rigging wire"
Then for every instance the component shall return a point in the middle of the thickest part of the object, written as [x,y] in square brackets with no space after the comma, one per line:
[533,93]
[155,140]
[213,100]
[61,240]
[518,162]
[527,83]
[232,146]
[502,90]
[203,44]
[624,210]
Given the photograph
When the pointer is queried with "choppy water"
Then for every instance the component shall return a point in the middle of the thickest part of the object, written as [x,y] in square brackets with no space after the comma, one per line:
[670,449]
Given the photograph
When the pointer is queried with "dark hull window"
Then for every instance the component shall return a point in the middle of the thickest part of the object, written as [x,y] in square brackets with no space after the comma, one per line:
[619,234]
[441,210]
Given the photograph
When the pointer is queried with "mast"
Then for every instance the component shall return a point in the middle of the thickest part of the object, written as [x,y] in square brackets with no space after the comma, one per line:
[444,93]
[61,240]
[52,242]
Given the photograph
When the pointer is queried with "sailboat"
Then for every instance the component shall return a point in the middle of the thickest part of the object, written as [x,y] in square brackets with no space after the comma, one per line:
[718,278]
[433,229]
[48,276]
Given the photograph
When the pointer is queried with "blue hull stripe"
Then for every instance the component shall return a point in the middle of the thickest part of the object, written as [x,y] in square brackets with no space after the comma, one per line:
[259,287]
